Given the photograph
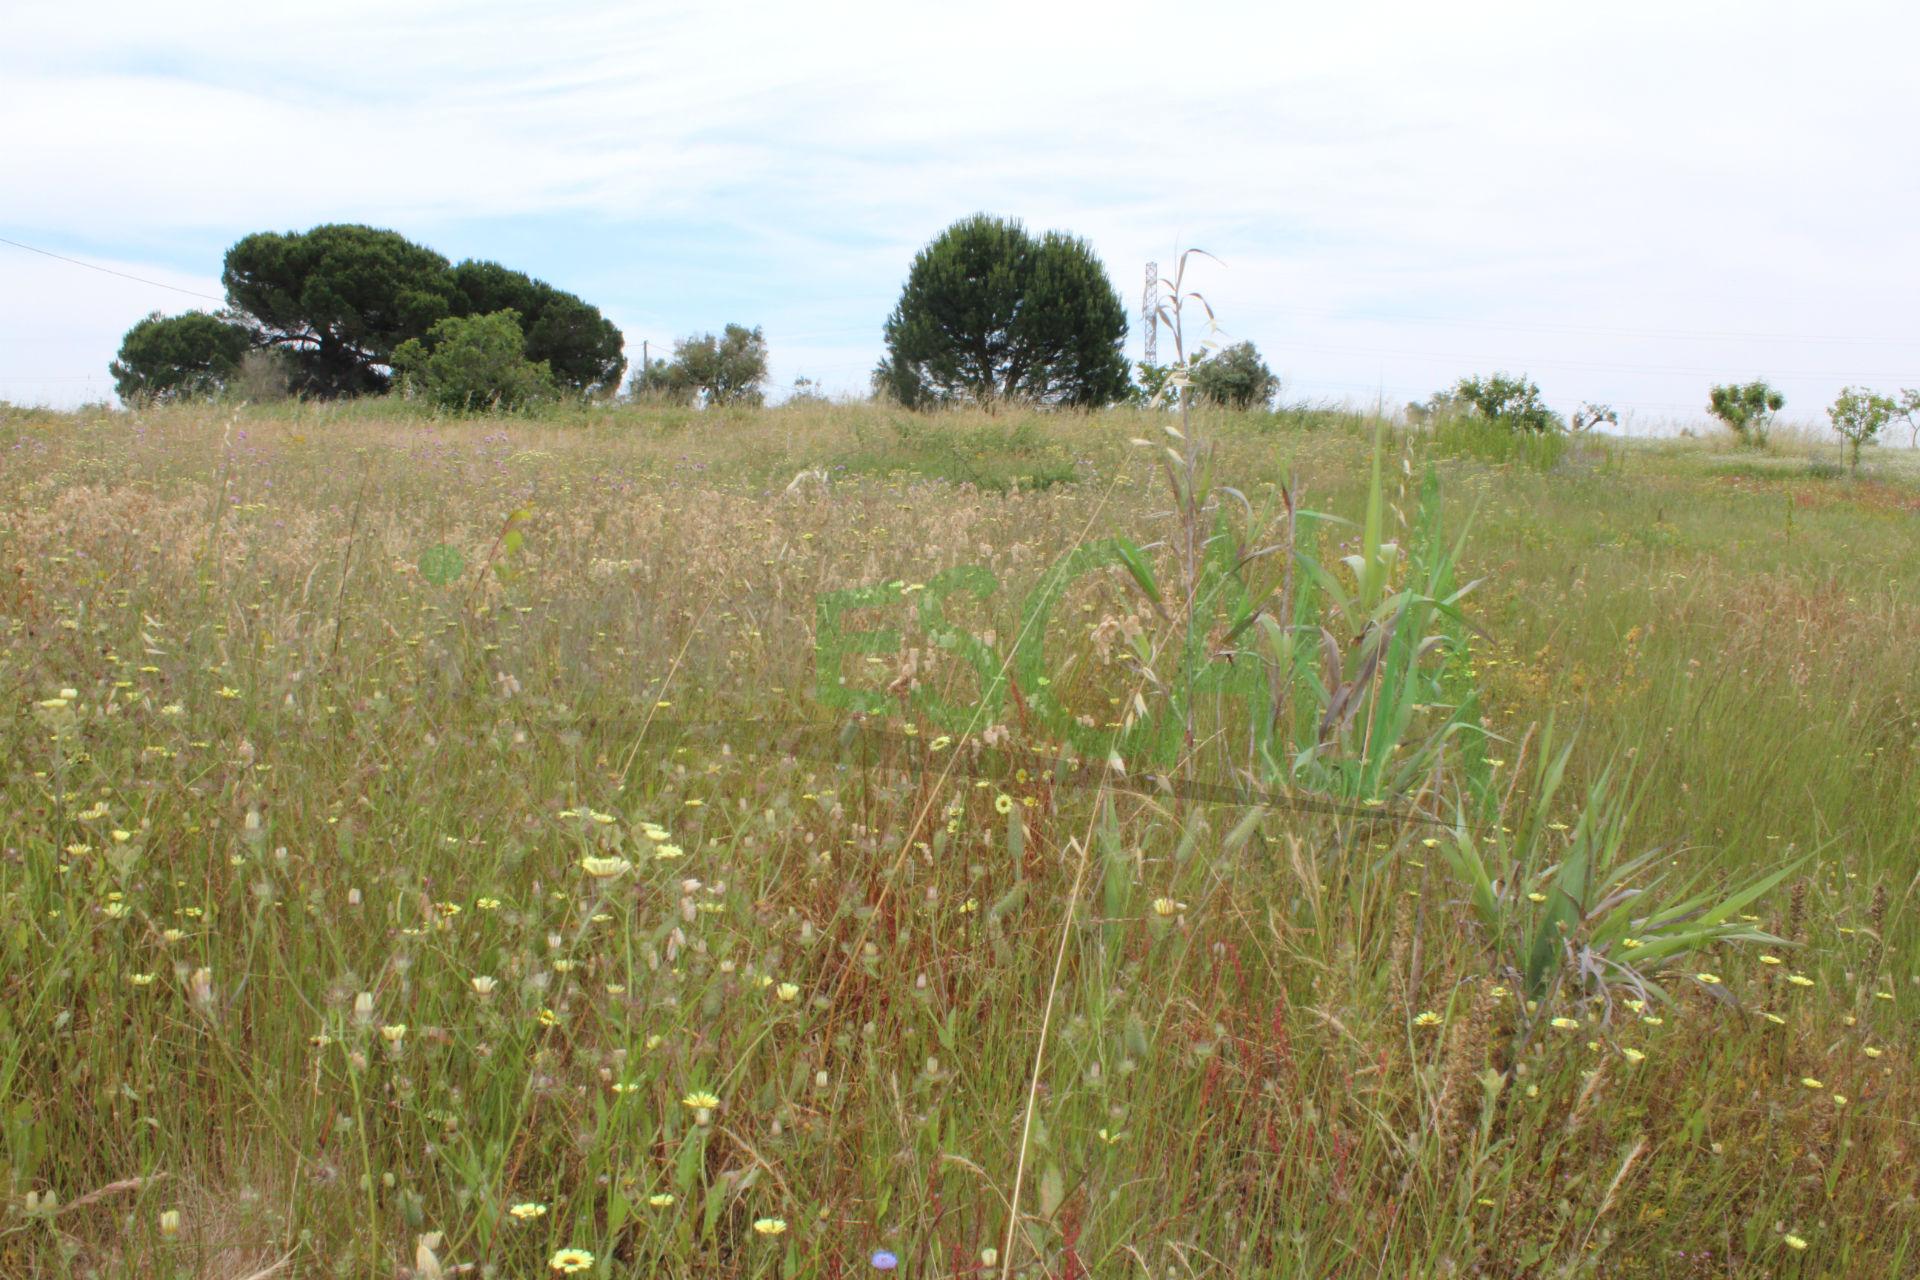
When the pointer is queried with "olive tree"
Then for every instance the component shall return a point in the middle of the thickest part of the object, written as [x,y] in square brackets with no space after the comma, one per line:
[1513,402]
[1859,415]
[1234,377]
[1746,408]
[730,369]
[1910,414]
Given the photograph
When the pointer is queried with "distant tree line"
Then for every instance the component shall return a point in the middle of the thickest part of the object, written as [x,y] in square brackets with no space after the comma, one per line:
[989,314]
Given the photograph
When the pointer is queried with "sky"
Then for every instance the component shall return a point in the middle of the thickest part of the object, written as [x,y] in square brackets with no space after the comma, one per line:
[1626,202]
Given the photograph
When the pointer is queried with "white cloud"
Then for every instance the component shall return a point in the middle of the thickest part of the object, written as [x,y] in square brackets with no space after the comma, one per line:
[1624,200]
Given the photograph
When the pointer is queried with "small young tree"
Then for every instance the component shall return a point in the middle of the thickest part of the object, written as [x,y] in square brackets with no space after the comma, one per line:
[1748,409]
[1236,378]
[1910,414]
[1152,387]
[475,363]
[1437,405]
[1590,415]
[182,357]
[1859,416]
[1513,402]
[807,391]
[730,369]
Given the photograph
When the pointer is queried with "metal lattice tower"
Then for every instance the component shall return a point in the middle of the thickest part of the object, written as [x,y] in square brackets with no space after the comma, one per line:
[1150,311]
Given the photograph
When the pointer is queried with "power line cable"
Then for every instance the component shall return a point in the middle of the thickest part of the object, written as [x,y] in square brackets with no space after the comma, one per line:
[92,266]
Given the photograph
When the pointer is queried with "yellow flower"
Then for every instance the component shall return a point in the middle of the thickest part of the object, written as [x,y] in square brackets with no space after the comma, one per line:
[394,1033]
[1839,1099]
[483,985]
[1811,1083]
[1003,803]
[700,1100]
[569,1261]
[1769,959]
[169,1223]
[668,852]
[1426,1019]
[1652,1021]
[528,1210]
[1793,1242]
[1707,979]
[605,868]
[1536,897]
[1566,1024]
[1633,1055]
[1871,1051]
[1775,1019]
[660,1200]
[787,992]
[769,1226]
[1800,980]
[1166,906]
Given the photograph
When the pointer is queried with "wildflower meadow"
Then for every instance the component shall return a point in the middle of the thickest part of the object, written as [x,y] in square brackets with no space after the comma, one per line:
[827,841]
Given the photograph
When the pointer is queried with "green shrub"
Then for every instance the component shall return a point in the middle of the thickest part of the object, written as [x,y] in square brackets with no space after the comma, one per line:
[475,363]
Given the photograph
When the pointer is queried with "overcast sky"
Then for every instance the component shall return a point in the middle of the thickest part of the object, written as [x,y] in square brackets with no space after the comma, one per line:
[1624,200]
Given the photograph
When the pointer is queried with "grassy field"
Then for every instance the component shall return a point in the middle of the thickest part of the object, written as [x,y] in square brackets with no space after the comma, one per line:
[425,849]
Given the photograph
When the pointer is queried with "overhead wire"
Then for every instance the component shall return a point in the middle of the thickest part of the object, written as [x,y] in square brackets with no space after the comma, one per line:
[94,266]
